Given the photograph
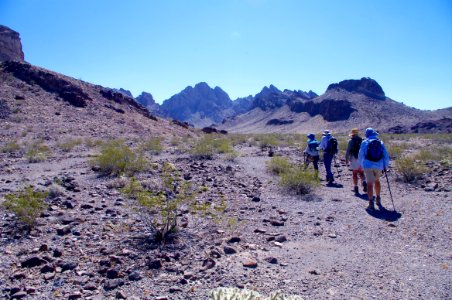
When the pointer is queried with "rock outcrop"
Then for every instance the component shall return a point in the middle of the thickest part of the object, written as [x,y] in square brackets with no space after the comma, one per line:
[330,109]
[148,101]
[10,45]
[365,85]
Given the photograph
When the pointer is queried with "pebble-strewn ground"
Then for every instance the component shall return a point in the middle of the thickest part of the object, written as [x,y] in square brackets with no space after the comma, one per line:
[90,243]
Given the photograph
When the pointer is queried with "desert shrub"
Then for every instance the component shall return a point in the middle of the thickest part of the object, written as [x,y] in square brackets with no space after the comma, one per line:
[37,151]
[153,145]
[238,294]
[237,139]
[231,156]
[209,145]
[175,141]
[278,165]
[11,147]
[55,190]
[435,153]
[267,140]
[69,144]
[159,209]
[409,168]
[27,205]
[299,181]
[117,158]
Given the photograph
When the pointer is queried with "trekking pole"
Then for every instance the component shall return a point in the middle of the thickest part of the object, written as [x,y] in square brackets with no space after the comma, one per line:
[389,187]
[335,164]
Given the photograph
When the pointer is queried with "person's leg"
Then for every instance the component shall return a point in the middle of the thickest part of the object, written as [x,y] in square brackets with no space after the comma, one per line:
[355,181]
[377,187]
[370,187]
[327,159]
[315,162]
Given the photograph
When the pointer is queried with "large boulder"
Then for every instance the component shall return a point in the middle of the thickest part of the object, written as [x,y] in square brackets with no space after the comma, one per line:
[10,45]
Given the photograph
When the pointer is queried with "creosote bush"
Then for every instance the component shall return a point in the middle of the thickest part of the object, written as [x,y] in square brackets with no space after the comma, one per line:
[11,147]
[299,181]
[209,145]
[117,158]
[278,165]
[237,294]
[152,145]
[27,205]
[409,168]
[69,144]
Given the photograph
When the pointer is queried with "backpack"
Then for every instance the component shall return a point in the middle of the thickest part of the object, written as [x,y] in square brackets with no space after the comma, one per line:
[374,150]
[313,146]
[331,147]
[356,145]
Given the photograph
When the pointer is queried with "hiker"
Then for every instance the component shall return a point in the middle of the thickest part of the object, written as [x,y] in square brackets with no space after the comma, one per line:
[329,146]
[374,159]
[311,152]
[351,159]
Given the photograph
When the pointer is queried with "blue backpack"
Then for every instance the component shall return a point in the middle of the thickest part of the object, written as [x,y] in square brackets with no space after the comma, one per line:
[313,145]
[374,150]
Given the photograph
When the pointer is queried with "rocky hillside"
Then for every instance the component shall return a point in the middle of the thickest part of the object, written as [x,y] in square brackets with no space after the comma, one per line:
[148,101]
[199,105]
[344,105]
[63,106]
[10,45]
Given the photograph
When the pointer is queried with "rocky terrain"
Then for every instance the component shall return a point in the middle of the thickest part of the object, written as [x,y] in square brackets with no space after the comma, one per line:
[10,45]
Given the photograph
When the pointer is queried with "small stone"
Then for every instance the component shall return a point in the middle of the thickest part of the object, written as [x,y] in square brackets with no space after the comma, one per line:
[19,295]
[260,230]
[86,206]
[19,275]
[135,276]
[112,274]
[229,250]
[67,265]
[281,238]
[32,262]
[208,264]
[314,272]
[215,254]
[234,239]
[43,248]
[121,295]
[271,260]
[276,223]
[155,264]
[75,295]
[332,235]
[174,289]
[113,284]
[256,199]
[64,230]
[57,252]
[48,276]
[47,269]
[250,263]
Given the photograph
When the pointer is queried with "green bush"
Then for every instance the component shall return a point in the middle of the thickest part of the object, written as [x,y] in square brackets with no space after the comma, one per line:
[116,158]
[278,165]
[159,209]
[435,153]
[209,145]
[409,168]
[299,181]
[27,205]
[69,144]
[37,152]
[237,294]
[10,147]
[153,145]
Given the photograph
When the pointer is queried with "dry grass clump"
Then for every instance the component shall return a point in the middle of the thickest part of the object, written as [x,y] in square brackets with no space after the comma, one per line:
[299,181]
[152,145]
[37,151]
[210,145]
[409,168]
[225,293]
[278,165]
[69,144]
[11,147]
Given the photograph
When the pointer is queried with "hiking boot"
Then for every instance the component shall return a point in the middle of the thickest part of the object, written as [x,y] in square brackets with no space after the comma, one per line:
[370,206]
[378,201]
[356,190]
[364,187]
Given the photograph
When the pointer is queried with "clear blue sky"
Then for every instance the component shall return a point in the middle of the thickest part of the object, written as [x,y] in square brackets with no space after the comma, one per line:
[242,45]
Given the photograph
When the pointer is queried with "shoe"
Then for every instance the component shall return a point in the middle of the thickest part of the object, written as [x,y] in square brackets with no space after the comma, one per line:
[378,201]
[356,190]
[364,187]
[370,206]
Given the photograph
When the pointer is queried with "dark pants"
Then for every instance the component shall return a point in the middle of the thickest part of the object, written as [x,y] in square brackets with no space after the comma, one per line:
[315,161]
[327,160]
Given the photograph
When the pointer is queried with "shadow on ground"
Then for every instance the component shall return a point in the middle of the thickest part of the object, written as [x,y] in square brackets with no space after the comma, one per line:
[384,214]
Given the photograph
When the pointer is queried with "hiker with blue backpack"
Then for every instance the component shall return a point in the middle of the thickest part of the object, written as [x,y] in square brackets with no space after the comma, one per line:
[329,146]
[311,152]
[351,159]
[374,159]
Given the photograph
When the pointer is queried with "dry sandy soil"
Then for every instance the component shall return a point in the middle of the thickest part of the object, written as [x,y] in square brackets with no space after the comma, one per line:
[90,243]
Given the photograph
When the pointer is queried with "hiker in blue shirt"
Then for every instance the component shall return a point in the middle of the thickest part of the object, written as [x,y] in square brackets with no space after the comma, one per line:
[329,146]
[312,152]
[374,159]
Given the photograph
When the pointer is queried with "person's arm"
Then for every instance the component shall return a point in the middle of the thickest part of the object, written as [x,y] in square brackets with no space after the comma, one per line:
[323,143]
[348,152]
[362,151]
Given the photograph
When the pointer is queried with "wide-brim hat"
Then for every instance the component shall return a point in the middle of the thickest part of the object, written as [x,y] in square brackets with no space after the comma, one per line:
[371,132]
[354,132]
[326,132]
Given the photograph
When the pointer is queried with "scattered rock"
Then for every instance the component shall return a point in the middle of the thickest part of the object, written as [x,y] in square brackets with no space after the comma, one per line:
[229,250]
[250,263]
[32,262]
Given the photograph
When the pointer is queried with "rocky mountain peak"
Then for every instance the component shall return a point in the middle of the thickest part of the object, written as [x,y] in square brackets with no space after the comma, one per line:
[10,45]
[365,85]
[147,100]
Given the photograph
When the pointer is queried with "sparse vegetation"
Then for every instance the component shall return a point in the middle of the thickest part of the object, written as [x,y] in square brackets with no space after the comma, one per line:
[299,181]
[37,151]
[278,165]
[69,144]
[10,147]
[117,158]
[238,294]
[27,205]
[152,145]
[409,168]
[209,145]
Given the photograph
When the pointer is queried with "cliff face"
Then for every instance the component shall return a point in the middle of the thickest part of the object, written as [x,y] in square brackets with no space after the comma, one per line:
[10,45]
[365,85]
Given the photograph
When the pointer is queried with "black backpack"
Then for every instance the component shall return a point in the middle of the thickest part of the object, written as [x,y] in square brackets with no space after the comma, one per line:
[331,147]
[374,150]
[356,145]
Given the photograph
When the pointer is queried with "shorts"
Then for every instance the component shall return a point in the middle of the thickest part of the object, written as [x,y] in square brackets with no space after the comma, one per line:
[372,175]
[354,163]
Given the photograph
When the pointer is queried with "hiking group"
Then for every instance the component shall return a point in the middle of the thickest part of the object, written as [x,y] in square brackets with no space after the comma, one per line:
[367,158]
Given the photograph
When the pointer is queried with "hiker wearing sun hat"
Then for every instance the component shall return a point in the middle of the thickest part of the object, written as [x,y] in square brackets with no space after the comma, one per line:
[374,158]
[312,152]
[329,146]
[351,159]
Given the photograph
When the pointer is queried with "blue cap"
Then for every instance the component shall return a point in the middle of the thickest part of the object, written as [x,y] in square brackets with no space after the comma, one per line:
[311,136]
[370,132]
